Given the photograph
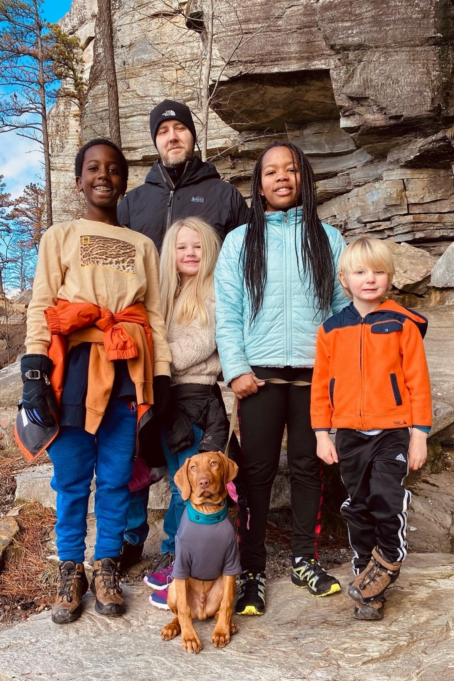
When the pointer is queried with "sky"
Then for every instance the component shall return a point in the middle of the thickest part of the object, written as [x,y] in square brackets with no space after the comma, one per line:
[20,159]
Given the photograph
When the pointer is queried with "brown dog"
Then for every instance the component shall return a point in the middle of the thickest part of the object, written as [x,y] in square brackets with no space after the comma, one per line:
[203,480]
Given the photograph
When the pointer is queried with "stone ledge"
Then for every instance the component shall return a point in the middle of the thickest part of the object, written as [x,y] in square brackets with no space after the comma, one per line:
[33,484]
[299,638]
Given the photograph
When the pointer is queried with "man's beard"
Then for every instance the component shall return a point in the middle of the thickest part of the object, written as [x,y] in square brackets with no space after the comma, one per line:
[177,160]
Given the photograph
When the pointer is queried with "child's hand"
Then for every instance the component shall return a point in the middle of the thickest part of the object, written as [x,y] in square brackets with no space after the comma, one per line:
[326,451]
[417,452]
[244,385]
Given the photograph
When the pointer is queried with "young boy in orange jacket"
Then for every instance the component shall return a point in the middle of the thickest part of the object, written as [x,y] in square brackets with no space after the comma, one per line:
[371,382]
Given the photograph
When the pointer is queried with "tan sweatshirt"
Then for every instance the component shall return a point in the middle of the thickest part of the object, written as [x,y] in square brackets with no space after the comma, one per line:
[194,355]
[113,267]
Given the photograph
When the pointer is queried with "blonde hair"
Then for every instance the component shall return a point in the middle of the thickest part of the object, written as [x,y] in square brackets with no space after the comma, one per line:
[366,252]
[188,299]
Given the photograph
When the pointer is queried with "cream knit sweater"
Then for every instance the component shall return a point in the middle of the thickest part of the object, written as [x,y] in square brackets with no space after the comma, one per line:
[194,355]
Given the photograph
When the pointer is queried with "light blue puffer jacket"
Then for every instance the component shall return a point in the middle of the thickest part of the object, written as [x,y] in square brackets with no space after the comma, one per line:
[285,330]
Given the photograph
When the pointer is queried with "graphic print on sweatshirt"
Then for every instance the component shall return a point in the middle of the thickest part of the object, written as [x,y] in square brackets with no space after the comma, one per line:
[107,254]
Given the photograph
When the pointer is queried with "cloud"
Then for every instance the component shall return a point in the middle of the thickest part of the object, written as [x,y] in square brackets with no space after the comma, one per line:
[20,162]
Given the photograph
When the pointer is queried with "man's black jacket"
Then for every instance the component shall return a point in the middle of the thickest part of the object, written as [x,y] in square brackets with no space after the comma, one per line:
[156,204]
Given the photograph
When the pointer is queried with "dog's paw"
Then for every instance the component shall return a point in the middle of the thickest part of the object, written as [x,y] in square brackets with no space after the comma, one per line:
[170,631]
[233,628]
[221,636]
[191,642]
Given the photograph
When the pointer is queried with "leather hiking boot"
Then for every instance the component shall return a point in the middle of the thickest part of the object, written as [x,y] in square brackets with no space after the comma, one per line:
[72,586]
[370,585]
[105,586]
[371,612]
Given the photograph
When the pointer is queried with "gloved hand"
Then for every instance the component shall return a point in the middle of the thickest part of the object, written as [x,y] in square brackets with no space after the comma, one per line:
[161,390]
[38,398]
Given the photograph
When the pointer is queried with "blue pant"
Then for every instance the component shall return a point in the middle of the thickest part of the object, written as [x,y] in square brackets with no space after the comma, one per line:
[137,527]
[77,456]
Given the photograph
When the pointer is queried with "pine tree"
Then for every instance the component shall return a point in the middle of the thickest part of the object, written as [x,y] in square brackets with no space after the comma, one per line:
[34,57]
[5,230]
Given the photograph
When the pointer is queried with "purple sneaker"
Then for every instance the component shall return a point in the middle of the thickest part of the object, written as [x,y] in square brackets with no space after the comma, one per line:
[159,599]
[159,580]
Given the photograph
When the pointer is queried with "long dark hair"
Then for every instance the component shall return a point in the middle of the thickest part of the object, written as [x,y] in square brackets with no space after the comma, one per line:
[315,250]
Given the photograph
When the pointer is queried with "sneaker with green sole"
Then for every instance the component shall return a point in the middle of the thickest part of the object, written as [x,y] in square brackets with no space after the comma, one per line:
[307,573]
[251,598]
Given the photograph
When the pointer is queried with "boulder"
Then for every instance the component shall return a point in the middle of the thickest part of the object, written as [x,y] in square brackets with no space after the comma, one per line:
[23,298]
[8,530]
[413,267]
[443,272]
[7,423]
[439,344]
[10,384]
[431,514]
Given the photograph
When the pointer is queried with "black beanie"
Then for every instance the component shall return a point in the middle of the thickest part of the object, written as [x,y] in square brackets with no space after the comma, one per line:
[171,111]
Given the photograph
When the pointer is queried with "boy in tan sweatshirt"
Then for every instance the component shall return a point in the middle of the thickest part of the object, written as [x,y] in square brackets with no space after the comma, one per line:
[99,274]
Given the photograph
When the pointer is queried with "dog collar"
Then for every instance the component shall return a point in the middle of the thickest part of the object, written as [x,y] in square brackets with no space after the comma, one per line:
[206,518]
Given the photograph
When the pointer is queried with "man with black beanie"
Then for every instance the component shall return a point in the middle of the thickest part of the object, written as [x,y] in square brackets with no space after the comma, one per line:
[179,184]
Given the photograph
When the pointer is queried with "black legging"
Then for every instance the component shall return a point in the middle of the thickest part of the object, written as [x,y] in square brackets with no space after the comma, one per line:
[262,418]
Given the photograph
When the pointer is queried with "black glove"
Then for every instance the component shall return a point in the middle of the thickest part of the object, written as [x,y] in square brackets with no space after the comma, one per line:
[161,390]
[38,398]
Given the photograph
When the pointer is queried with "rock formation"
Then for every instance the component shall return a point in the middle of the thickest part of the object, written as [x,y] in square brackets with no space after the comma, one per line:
[364,88]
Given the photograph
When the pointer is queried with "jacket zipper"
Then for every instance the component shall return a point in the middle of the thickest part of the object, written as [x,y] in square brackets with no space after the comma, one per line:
[169,209]
[361,372]
[173,188]
[286,324]
[170,201]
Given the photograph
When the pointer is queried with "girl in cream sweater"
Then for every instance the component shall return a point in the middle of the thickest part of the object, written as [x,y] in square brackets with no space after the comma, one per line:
[196,420]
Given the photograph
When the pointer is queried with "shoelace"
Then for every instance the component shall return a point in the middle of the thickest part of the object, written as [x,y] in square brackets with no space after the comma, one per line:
[251,585]
[160,565]
[114,584]
[310,568]
[67,581]
[372,574]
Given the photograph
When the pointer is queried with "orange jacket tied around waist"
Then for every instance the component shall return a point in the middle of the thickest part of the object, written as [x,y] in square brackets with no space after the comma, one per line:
[125,335]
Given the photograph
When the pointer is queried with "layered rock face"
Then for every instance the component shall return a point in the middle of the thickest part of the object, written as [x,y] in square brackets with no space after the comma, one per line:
[365,89]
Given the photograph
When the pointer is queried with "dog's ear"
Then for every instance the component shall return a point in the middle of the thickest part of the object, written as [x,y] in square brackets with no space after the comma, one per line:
[181,479]
[230,468]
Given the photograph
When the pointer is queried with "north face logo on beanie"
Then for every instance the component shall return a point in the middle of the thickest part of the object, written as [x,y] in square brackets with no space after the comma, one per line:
[169,109]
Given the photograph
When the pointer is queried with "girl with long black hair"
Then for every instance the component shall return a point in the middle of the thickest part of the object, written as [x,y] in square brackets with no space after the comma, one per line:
[275,283]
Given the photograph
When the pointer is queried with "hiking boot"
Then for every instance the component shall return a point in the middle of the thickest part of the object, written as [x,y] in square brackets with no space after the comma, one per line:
[105,586]
[371,583]
[130,555]
[161,579]
[371,611]
[308,573]
[159,599]
[251,598]
[72,586]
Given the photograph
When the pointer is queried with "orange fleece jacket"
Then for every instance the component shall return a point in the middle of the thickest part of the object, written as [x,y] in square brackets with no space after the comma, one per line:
[371,372]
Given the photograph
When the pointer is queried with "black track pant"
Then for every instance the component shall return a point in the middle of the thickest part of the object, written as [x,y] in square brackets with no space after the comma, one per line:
[262,419]
[373,469]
